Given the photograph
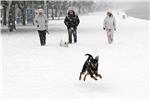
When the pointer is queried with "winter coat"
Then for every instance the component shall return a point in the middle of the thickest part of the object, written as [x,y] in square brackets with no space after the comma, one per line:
[41,22]
[109,22]
[72,21]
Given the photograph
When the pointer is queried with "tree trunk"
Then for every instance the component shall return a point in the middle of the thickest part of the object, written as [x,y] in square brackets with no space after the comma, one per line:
[52,13]
[56,12]
[5,5]
[79,9]
[11,17]
[23,17]
[4,18]
[22,7]
[23,14]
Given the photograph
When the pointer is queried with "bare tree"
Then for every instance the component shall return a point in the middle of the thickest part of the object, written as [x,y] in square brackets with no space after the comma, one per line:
[11,17]
[22,6]
[5,6]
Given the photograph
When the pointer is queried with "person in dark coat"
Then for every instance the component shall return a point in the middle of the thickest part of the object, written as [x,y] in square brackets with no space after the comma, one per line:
[72,21]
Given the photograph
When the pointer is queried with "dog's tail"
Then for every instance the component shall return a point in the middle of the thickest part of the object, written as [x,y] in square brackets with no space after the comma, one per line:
[90,56]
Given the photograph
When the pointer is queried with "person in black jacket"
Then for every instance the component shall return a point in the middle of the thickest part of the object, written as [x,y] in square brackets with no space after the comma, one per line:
[72,21]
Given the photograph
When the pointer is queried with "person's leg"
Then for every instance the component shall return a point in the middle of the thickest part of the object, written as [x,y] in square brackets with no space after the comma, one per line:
[112,36]
[44,37]
[70,35]
[40,36]
[75,35]
[108,35]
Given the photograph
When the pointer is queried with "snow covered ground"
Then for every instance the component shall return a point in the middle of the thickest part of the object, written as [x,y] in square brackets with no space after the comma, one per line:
[30,71]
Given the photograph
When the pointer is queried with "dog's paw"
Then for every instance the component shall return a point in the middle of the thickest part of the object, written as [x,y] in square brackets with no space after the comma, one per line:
[79,78]
[94,78]
[100,76]
[83,79]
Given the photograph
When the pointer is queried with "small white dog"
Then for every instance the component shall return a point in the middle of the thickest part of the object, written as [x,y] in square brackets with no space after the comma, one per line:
[63,43]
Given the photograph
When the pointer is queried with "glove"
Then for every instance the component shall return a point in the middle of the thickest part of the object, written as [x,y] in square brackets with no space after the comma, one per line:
[103,28]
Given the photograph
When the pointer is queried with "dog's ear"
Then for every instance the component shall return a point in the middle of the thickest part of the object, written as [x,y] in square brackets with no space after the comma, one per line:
[97,58]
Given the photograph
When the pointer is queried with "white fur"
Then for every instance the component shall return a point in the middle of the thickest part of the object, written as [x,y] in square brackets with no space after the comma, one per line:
[63,43]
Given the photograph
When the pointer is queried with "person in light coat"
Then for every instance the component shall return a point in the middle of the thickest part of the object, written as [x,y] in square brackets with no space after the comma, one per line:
[110,26]
[41,22]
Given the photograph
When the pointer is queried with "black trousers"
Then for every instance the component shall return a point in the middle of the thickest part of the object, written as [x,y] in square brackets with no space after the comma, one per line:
[42,36]
[72,31]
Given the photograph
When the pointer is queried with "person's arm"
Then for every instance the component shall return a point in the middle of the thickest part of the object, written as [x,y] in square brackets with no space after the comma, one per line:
[114,23]
[78,21]
[104,24]
[66,21]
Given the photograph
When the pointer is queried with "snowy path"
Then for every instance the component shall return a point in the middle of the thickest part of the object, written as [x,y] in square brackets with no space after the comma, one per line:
[51,72]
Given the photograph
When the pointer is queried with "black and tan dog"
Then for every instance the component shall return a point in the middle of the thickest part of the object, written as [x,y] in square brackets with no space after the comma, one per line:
[91,67]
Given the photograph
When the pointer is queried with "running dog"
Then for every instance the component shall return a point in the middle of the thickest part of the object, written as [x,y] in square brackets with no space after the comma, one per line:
[91,67]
